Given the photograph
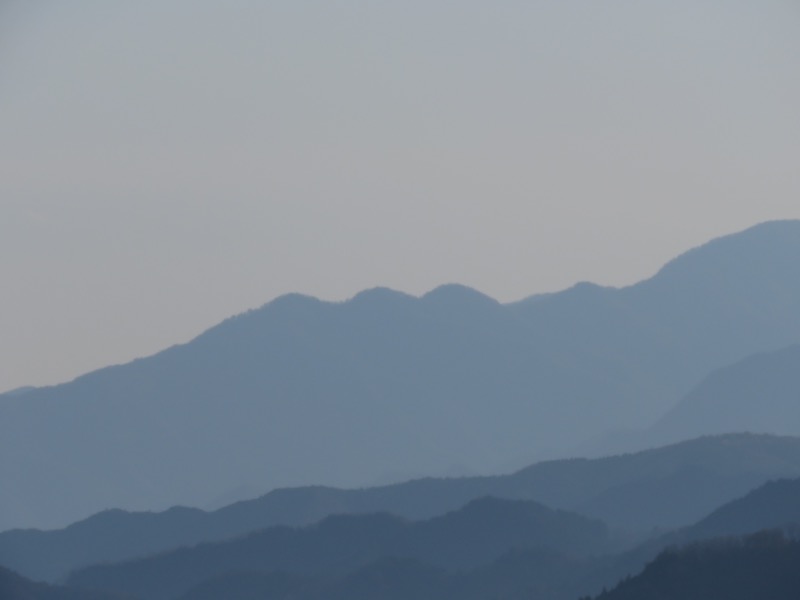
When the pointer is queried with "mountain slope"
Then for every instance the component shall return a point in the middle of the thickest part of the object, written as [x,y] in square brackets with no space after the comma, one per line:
[15,587]
[762,566]
[516,575]
[302,391]
[549,576]
[476,535]
[703,310]
[760,393]
[774,505]
[665,487]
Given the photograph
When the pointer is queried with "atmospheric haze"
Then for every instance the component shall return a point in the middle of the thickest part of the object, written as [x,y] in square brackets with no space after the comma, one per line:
[164,165]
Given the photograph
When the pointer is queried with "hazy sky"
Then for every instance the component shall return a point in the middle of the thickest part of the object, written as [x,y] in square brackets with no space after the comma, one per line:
[165,164]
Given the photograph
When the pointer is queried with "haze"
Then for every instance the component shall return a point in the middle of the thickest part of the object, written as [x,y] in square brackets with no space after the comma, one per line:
[166,164]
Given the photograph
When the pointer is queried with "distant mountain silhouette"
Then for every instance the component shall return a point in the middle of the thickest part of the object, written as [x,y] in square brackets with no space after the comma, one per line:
[17,392]
[760,393]
[701,311]
[666,487]
[476,535]
[303,391]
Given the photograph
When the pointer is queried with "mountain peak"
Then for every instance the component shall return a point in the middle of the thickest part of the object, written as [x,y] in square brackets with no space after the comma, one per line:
[379,294]
[455,293]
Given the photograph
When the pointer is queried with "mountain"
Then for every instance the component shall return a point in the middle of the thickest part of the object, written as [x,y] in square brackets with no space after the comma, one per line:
[551,576]
[760,393]
[515,576]
[665,487]
[475,535]
[109,536]
[303,391]
[701,311]
[16,392]
[762,565]
[15,587]
[275,585]
[774,505]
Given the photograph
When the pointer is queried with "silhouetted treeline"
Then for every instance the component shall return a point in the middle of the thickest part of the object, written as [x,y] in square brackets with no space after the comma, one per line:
[762,566]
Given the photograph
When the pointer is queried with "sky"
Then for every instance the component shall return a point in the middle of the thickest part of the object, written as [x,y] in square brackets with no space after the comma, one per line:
[165,164]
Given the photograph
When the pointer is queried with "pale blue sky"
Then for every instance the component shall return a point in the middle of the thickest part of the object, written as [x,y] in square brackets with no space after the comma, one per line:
[165,164]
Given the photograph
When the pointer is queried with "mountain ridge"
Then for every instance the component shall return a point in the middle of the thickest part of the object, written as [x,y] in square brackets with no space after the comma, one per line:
[760,392]
[474,535]
[312,392]
[667,487]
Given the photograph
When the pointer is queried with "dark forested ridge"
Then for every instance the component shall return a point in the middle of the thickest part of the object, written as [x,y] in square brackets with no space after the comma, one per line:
[278,384]
[476,535]
[761,566]
[773,506]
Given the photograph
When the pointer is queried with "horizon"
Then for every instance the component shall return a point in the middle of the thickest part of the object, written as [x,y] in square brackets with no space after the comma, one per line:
[421,295]
[246,151]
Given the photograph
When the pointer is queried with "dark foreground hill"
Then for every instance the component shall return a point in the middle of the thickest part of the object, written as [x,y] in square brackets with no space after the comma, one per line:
[476,535]
[666,487]
[302,391]
[762,566]
[760,393]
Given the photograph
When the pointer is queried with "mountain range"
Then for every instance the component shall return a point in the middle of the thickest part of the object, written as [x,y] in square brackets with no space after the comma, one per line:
[635,493]
[475,535]
[387,386]
[489,549]
[760,565]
